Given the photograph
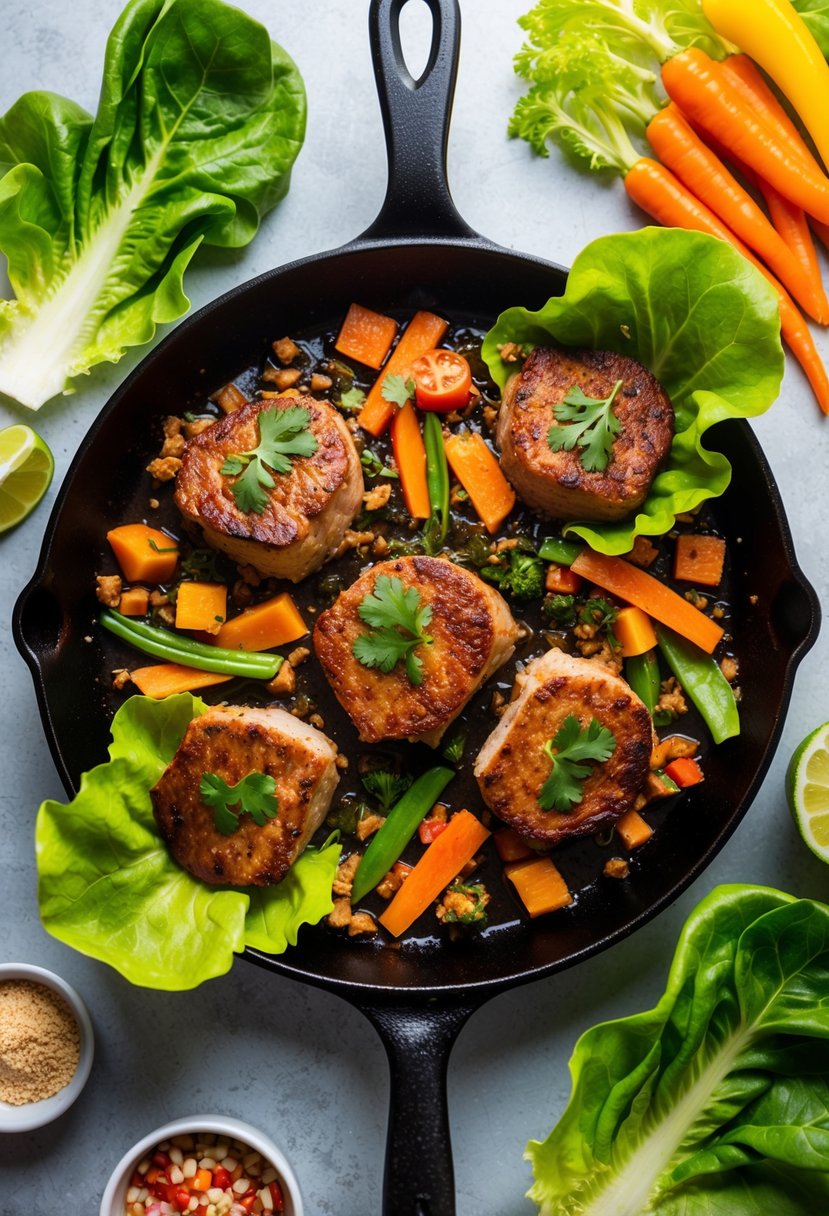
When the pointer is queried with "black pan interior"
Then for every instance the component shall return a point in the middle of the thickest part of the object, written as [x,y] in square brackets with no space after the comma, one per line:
[774,611]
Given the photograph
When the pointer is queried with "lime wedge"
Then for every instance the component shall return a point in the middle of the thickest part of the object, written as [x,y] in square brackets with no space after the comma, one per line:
[807,789]
[26,468]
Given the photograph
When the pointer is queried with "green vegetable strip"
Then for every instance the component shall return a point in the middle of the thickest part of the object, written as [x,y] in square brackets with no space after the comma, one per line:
[437,471]
[176,649]
[701,679]
[554,549]
[400,826]
[642,674]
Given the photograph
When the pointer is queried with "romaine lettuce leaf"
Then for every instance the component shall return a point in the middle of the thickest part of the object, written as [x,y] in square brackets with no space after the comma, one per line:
[200,119]
[109,888]
[717,1100]
[700,317]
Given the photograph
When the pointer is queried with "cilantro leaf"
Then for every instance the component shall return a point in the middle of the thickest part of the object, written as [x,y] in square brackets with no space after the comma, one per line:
[397,390]
[386,786]
[587,423]
[352,398]
[397,618]
[283,434]
[568,749]
[254,795]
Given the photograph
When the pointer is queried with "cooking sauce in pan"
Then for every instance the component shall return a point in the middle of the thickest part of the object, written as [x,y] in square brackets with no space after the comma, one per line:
[580,861]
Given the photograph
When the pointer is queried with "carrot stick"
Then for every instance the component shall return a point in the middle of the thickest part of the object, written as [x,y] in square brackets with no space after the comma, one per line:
[636,586]
[478,471]
[271,623]
[702,91]
[423,333]
[410,456]
[682,151]
[655,189]
[443,860]
[164,679]
[366,336]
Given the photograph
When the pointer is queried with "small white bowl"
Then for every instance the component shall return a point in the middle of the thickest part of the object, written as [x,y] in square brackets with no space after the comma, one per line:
[114,1202]
[35,1114]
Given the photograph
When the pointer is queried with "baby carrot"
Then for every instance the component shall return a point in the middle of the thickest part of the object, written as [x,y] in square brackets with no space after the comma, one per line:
[702,91]
[410,455]
[682,151]
[655,189]
[746,79]
[776,37]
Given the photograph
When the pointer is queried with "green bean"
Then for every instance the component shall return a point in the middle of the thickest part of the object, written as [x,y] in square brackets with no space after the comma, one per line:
[189,653]
[642,674]
[701,680]
[401,824]
[437,472]
[554,549]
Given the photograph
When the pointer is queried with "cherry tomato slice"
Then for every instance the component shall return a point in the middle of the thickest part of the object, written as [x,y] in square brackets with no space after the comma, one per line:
[443,381]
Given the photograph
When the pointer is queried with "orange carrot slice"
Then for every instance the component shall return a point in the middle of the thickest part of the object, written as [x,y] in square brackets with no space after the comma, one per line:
[164,679]
[634,632]
[699,559]
[366,336]
[539,884]
[424,332]
[478,471]
[443,860]
[144,554]
[637,587]
[271,623]
[410,457]
[201,606]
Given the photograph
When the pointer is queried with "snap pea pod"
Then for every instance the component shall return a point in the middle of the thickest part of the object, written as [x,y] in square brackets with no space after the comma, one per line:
[642,674]
[163,644]
[554,549]
[437,473]
[702,681]
[401,824]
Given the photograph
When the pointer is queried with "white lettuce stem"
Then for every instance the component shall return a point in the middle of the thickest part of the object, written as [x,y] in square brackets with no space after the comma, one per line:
[41,350]
[630,1189]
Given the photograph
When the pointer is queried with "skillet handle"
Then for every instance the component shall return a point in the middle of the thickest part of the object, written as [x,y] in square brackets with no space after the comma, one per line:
[419,1178]
[416,121]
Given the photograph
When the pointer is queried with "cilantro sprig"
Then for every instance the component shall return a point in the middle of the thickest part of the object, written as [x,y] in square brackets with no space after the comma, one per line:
[398,618]
[254,795]
[568,750]
[587,423]
[283,435]
[397,390]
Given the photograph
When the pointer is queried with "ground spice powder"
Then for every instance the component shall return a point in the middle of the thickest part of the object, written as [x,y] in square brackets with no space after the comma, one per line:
[39,1042]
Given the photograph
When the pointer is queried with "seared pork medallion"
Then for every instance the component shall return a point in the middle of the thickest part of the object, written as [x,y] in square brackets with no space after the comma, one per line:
[407,645]
[244,794]
[274,484]
[582,433]
[570,753]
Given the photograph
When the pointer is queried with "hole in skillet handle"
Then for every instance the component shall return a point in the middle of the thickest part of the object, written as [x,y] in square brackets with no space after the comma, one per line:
[416,114]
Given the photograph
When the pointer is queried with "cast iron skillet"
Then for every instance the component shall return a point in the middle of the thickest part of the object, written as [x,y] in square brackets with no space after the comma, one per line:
[417,254]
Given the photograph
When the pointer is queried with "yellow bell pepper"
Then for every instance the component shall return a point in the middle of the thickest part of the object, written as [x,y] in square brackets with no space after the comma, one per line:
[776,37]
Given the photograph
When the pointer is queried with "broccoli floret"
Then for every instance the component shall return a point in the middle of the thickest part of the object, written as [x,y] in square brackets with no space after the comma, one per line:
[523,578]
[386,786]
[560,610]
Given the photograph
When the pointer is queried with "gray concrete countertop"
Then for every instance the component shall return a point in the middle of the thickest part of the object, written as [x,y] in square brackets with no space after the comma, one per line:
[296,1062]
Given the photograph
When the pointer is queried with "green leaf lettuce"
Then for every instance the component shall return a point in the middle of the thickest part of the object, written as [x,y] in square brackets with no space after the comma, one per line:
[200,119]
[717,1100]
[700,317]
[109,888]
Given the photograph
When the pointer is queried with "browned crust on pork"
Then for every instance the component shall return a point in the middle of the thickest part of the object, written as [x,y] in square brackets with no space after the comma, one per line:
[473,633]
[329,481]
[513,766]
[232,742]
[556,483]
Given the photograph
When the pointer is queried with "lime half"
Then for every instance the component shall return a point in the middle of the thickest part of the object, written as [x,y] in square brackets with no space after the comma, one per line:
[26,468]
[807,789]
